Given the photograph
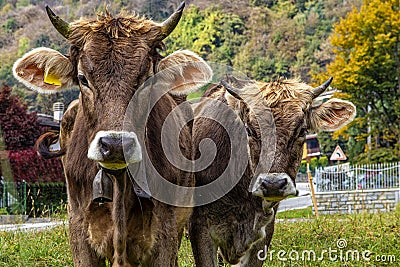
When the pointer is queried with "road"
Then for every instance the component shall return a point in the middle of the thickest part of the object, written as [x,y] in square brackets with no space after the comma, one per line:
[29,226]
[299,202]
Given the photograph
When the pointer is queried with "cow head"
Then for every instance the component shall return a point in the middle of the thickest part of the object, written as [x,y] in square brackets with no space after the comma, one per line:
[294,111]
[109,59]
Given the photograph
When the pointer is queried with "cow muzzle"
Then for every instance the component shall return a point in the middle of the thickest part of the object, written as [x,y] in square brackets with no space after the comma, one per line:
[115,150]
[274,186]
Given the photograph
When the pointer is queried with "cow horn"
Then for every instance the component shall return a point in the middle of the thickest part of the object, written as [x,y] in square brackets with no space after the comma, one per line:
[169,24]
[320,89]
[60,25]
[233,91]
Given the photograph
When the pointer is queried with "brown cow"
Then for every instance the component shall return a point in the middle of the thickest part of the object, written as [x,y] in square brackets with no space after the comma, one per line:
[110,59]
[241,223]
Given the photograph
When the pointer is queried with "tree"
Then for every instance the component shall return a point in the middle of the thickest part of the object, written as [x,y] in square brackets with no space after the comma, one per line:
[19,131]
[214,35]
[366,44]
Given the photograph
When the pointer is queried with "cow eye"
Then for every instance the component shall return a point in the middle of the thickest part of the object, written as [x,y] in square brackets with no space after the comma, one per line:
[248,130]
[82,79]
[303,132]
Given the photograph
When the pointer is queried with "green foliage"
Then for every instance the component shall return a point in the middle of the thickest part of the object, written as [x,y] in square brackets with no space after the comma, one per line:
[313,164]
[7,7]
[351,146]
[46,198]
[3,211]
[22,3]
[303,166]
[211,33]
[323,161]
[23,46]
[379,155]
[7,60]
[10,25]
[38,248]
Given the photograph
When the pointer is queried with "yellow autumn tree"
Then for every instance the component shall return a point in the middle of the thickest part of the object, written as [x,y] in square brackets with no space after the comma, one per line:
[366,67]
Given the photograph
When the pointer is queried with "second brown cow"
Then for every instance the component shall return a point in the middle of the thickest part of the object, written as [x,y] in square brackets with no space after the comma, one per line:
[276,117]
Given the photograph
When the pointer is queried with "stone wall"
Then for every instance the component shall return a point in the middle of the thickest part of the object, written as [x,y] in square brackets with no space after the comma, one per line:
[372,201]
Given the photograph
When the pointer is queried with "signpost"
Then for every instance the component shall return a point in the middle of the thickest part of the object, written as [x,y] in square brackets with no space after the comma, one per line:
[314,200]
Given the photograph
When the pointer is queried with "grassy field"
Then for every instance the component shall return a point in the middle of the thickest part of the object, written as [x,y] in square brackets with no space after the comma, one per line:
[334,240]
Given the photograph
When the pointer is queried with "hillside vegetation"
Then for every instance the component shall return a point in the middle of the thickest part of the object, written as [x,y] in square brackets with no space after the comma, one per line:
[264,39]
[357,42]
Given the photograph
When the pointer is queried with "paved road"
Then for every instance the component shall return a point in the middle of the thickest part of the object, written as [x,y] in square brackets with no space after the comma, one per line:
[29,226]
[300,202]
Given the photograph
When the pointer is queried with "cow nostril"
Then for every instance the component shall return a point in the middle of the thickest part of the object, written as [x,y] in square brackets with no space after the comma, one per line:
[104,146]
[128,145]
[282,183]
[265,184]
[108,145]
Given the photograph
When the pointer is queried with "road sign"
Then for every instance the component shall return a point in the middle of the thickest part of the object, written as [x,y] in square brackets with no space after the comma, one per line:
[338,154]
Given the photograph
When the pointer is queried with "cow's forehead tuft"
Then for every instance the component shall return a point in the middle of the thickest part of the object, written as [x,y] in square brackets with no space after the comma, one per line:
[285,91]
[114,27]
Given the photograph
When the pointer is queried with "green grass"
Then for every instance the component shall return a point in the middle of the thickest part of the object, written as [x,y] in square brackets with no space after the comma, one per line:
[378,233]
[292,214]
[40,248]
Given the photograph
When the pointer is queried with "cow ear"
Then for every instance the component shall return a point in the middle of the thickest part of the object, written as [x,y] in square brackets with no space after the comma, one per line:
[184,72]
[331,115]
[44,70]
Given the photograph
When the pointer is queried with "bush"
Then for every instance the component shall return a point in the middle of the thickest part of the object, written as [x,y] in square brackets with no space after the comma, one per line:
[379,155]
[45,198]
[18,133]
[28,166]
[303,166]
[313,164]
[323,161]
[3,211]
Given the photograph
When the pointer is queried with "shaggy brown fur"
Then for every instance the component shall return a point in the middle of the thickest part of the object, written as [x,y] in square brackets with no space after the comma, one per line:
[235,222]
[114,56]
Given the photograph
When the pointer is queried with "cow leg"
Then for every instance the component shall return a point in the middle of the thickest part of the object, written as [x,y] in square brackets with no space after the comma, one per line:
[204,249]
[165,249]
[83,254]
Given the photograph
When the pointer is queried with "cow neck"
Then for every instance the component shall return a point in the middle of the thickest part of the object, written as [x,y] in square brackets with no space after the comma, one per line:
[119,175]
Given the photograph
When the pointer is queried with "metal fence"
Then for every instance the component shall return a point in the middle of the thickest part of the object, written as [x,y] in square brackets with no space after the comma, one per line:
[358,177]
[13,197]
[32,199]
